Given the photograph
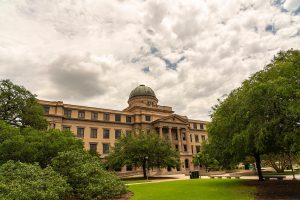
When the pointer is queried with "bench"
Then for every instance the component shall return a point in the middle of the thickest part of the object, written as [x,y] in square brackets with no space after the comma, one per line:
[227,176]
[279,177]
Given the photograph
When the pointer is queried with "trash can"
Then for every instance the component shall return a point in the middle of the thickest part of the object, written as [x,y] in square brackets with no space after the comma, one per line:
[194,174]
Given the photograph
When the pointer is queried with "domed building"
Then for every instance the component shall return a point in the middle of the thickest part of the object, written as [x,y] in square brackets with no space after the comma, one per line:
[100,128]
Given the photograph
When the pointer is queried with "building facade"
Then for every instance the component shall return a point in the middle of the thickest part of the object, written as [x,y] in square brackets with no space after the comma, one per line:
[100,128]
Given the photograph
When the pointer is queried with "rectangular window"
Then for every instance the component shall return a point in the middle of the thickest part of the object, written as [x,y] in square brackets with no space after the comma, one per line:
[93,147]
[46,109]
[183,136]
[196,138]
[105,148]
[148,118]
[185,148]
[197,149]
[203,137]
[128,119]
[105,133]
[117,134]
[94,116]
[66,128]
[81,114]
[94,132]
[191,137]
[177,147]
[202,126]
[106,116]
[195,126]
[128,167]
[117,118]
[192,149]
[80,132]
[67,113]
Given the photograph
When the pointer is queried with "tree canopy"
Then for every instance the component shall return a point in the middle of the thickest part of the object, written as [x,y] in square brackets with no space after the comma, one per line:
[140,148]
[19,106]
[260,117]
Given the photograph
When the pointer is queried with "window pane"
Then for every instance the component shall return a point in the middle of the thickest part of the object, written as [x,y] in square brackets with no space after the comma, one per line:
[80,132]
[105,148]
[94,116]
[94,133]
[128,119]
[67,113]
[196,138]
[117,134]
[117,118]
[201,126]
[203,137]
[106,133]
[81,114]
[106,117]
[148,118]
[93,147]
[46,109]
[66,128]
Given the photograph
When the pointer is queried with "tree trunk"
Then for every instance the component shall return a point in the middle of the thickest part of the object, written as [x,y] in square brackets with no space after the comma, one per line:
[144,170]
[291,164]
[258,166]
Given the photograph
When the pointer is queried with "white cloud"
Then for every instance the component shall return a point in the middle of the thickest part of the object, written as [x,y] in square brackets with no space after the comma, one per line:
[93,52]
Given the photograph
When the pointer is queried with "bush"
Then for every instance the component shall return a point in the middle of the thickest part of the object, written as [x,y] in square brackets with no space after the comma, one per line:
[86,176]
[20,181]
[29,145]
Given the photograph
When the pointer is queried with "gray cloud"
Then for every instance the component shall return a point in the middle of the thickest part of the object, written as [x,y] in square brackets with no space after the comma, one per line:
[94,52]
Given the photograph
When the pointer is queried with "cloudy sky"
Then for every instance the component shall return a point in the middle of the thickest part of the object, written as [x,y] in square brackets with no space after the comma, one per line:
[94,52]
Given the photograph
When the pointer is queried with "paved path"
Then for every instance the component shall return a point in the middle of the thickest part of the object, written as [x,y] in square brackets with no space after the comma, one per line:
[178,177]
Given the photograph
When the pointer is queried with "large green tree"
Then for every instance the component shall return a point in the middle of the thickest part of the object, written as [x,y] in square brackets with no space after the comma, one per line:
[19,107]
[262,116]
[30,145]
[141,149]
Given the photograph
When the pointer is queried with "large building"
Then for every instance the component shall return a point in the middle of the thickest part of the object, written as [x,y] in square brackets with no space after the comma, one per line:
[99,128]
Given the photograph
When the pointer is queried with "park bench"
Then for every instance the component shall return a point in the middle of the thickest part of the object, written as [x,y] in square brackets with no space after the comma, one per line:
[226,176]
[279,177]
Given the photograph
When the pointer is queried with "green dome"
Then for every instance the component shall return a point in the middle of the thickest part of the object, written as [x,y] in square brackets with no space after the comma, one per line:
[142,90]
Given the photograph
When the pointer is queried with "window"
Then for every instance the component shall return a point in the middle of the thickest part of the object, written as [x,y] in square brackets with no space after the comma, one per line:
[105,148]
[128,119]
[66,128]
[195,126]
[197,149]
[203,137]
[105,133]
[128,167]
[186,163]
[176,136]
[196,138]
[93,147]
[183,136]
[177,147]
[192,149]
[117,134]
[106,116]
[117,118]
[185,148]
[191,137]
[46,109]
[202,126]
[80,132]
[148,118]
[94,132]
[68,113]
[81,114]
[94,116]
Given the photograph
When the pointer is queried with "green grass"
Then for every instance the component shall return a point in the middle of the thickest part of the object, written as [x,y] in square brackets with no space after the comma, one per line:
[205,189]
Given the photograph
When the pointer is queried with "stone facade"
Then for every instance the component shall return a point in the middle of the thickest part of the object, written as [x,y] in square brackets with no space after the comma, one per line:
[99,128]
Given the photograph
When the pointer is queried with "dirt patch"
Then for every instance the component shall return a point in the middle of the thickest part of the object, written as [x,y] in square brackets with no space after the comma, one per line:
[126,196]
[276,190]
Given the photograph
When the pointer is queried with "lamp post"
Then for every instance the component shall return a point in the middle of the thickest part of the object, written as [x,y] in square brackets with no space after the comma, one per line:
[146,166]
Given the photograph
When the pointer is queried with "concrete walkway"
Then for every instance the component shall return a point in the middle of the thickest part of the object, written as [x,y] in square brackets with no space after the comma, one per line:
[178,177]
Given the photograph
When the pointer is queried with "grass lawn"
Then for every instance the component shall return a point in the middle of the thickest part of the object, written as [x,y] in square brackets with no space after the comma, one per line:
[205,189]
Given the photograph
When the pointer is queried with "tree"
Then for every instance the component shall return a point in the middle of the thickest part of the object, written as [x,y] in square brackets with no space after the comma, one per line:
[261,116]
[20,181]
[141,149]
[85,173]
[19,107]
[30,145]
[202,158]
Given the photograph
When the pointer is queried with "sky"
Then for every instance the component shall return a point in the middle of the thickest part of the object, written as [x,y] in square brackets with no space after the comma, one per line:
[94,52]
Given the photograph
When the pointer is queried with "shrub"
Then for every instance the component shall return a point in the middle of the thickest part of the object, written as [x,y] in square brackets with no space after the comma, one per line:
[20,181]
[86,176]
